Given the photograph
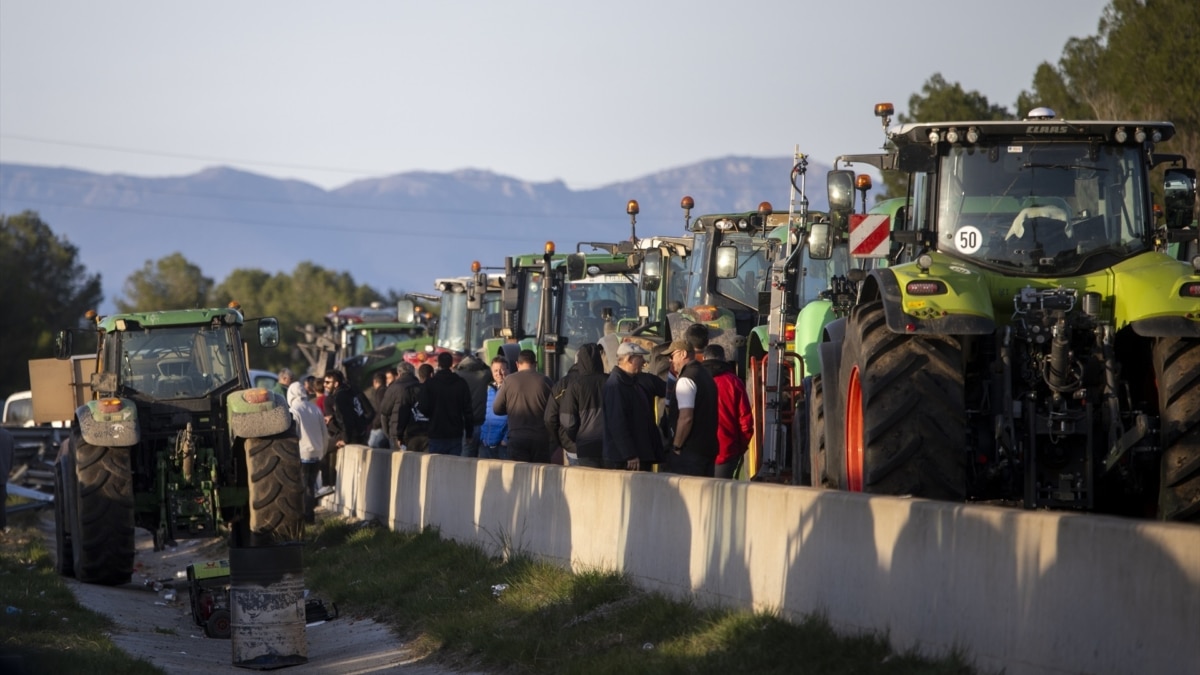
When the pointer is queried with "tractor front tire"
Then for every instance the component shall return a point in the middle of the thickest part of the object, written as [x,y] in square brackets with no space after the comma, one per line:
[102,514]
[905,410]
[276,488]
[818,477]
[1177,370]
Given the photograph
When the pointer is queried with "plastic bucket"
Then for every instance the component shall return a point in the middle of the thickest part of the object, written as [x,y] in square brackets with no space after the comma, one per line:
[266,597]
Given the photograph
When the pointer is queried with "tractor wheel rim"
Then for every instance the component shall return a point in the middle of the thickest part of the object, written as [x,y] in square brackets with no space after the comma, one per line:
[854,434]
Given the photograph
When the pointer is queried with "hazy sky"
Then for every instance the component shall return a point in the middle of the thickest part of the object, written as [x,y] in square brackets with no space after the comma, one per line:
[589,93]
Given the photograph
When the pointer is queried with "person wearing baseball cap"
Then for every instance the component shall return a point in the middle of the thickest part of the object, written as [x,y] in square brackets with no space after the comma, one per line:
[631,440]
[693,414]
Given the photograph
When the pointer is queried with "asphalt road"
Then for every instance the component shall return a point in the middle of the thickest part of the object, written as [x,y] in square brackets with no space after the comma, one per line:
[162,631]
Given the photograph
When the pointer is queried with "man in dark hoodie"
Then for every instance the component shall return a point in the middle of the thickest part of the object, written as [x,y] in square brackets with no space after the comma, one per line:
[580,409]
[631,440]
[478,376]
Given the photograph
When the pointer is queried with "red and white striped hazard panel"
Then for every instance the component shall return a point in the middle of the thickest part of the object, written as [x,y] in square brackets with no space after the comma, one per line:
[869,235]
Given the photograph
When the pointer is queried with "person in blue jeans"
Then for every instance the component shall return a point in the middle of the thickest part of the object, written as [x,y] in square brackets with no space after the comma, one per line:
[493,434]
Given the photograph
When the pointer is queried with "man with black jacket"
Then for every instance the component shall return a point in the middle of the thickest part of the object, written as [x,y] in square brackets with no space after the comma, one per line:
[396,408]
[523,398]
[446,400]
[580,409]
[631,441]
[345,424]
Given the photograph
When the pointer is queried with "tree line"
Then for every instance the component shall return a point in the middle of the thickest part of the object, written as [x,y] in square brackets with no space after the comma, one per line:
[44,288]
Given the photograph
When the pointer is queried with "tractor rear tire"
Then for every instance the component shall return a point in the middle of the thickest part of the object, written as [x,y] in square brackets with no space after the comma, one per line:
[102,514]
[1177,370]
[276,488]
[818,477]
[905,410]
[64,560]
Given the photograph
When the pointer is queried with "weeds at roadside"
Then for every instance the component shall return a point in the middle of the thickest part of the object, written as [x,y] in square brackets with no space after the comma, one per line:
[43,629]
[512,613]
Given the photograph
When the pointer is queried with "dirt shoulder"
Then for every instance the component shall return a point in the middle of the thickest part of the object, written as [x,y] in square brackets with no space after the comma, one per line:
[162,631]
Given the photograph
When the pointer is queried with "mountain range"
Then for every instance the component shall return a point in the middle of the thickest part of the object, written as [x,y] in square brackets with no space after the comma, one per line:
[397,232]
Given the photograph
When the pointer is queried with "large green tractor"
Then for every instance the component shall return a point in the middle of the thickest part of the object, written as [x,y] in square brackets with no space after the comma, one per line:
[1032,340]
[174,440]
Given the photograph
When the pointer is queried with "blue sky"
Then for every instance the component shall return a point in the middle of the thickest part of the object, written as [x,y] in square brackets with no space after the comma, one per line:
[587,93]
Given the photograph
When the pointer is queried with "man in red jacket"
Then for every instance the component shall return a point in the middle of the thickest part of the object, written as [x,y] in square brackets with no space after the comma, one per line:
[735,422]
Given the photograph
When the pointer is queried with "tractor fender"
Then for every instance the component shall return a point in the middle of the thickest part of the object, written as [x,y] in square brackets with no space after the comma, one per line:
[965,310]
[835,409]
[1167,326]
[834,331]
[109,423]
[253,415]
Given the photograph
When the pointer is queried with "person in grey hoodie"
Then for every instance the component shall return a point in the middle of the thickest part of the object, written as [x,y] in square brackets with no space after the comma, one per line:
[310,425]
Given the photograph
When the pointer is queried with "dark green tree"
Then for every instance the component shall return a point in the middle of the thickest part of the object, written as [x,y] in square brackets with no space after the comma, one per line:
[941,100]
[1144,63]
[170,283]
[43,288]
[298,299]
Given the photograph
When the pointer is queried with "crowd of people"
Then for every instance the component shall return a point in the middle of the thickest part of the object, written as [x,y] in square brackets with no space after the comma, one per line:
[697,421]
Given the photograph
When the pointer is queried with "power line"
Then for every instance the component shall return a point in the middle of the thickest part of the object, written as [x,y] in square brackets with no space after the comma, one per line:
[177,155]
[399,231]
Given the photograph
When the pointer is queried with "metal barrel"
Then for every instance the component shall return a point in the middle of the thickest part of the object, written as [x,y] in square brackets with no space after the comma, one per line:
[266,597]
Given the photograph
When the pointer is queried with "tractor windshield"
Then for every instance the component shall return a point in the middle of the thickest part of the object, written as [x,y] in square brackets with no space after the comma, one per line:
[177,362]
[754,255]
[452,323]
[486,322]
[370,339]
[592,302]
[817,273]
[1042,208]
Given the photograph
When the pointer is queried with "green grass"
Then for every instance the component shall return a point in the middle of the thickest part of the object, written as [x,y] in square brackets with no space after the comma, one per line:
[447,598]
[467,610]
[46,630]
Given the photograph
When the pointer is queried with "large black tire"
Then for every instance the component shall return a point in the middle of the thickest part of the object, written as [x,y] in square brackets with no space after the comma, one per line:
[64,559]
[276,487]
[1177,370]
[905,410]
[817,477]
[102,514]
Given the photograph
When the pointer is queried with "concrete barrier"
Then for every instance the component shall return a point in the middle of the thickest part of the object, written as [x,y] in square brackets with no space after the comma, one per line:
[1027,592]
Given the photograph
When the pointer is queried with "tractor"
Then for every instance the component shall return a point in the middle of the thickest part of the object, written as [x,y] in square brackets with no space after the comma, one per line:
[173,440]
[1031,340]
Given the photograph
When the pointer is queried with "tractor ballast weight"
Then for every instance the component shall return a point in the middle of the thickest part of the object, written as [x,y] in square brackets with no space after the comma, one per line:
[1031,340]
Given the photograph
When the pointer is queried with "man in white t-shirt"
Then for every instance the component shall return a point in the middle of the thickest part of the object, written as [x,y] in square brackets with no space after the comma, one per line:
[694,441]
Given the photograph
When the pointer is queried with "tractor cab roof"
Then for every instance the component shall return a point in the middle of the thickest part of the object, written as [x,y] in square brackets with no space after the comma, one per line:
[1033,129]
[173,317]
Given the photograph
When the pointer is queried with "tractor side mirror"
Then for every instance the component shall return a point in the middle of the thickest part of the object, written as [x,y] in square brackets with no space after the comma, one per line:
[820,244]
[727,261]
[406,311]
[652,271]
[476,291]
[1179,195]
[63,344]
[268,331]
[576,266]
[840,187]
